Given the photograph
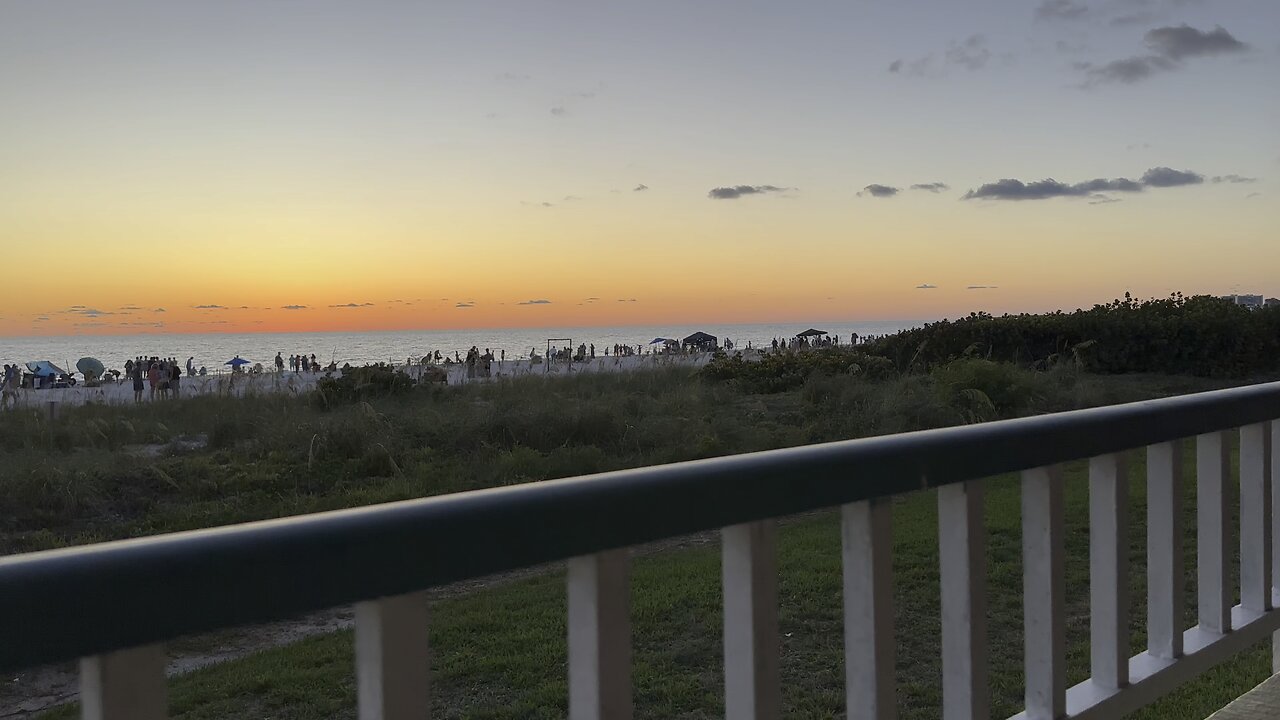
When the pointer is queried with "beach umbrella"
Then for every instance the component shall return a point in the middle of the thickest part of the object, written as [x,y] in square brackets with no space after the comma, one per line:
[811,332]
[655,341]
[90,367]
[237,361]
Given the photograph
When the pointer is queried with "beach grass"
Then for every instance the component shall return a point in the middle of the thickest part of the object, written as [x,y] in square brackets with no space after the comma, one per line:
[100,473]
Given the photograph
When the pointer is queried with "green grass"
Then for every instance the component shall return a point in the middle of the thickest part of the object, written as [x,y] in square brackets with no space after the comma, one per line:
[500,652]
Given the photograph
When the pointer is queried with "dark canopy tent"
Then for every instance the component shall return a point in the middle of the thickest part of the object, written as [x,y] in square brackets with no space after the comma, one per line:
[701,341]
[812,333]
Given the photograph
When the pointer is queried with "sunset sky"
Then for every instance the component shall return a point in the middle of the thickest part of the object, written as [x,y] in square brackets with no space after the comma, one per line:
[392,165]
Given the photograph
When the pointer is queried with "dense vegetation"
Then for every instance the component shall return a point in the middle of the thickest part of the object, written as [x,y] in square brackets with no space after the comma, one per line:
[1202,336]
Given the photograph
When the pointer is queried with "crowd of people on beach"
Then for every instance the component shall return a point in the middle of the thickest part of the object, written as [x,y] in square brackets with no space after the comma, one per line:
[163,375]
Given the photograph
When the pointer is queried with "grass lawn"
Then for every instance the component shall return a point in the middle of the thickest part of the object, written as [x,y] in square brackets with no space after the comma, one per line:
[500,652]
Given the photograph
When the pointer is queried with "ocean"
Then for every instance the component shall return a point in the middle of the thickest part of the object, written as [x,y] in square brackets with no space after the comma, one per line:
[358,348]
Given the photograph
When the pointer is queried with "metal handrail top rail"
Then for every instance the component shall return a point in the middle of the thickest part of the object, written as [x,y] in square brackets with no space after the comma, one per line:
[62,604]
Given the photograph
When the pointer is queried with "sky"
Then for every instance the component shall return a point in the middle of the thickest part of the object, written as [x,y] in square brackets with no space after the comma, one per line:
[275,166]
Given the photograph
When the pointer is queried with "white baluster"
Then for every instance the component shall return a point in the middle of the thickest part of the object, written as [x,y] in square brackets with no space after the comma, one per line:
[600,636]
[1255,518]
[867,545]
[1109,570]
[961,555]
[1213,503]
[125,685]
[1165,582]
[752,682]
[393,661]
[1043,588]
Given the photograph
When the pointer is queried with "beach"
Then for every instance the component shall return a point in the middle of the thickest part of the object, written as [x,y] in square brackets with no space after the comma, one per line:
[248,384]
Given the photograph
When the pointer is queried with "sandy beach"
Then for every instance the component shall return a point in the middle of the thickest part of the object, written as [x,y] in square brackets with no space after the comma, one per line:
[227,384]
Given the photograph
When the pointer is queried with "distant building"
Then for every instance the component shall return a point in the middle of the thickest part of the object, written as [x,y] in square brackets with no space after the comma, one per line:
[1249,301]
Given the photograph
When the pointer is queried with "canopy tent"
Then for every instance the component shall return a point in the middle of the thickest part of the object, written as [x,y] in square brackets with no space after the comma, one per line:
[44,368]
[657,341]
[701,340]
[812,333]
[236,362]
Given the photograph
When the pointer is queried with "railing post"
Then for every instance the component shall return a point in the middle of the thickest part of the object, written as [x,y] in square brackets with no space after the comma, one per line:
[1043,590]
[125,685]
[1165,582]
[1273,450]
[867,546]
[392,658]
[1109,570]
[1213,492]
[1255,518]
[600,636]
[961,555]
[752,681]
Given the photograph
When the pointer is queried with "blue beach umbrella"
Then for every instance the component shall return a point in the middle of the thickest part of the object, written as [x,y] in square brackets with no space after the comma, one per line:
[237,361]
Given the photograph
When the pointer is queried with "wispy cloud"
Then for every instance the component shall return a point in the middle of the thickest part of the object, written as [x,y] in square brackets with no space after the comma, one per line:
[640,188]
[934,187]
[209,307]
[353,305]
[982,287]
[293,307]
[464,305]
[534,302]
[1061,10]
[926,286]
[1233,179]
[736,191]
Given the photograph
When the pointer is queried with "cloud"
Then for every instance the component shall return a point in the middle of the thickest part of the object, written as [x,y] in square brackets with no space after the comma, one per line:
[1103,200]
[972,53]
[559,111]
[1138,18]
[626,299]
[1253,195]
[209,307]
[982,287]
[640,188]
[1169,46]
[926,286]
[42,318]
[592,299]
[1061,10]
[1233,179]
[353,305]
[880,191]
[159,310]
[1012,189]
[737,191]
[1168,177]
[130,308]
[513,78]
[464,305]
[87,311]
[933,187]
[293,307]
[1126,71]
[1185,41]
[534,302]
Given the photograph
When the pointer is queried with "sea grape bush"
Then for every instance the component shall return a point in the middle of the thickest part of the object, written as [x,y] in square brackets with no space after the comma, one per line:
[1201,335]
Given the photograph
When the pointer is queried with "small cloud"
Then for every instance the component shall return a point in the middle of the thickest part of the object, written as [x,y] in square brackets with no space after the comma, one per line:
[209,307]
[547,204]
[1102,200]
[934,187]
[1233,179]
[352,305]
[1061,10]
[534,302]
[626,299]
[972,53]
[1185,41]
[130,308]
[464,305]
[513,78]
[737,191]
[592,299]
[640,188]
[158,310]
[880,191]
[982,287]
[571,198]
[559,111]
[1138,146]
[77,307]
[1253,195]
[926,286]
[293,307]
[1168,177]
[42,318]
[1138,18]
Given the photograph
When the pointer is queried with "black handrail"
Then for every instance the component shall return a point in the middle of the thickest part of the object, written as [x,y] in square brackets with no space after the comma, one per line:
[63,604]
